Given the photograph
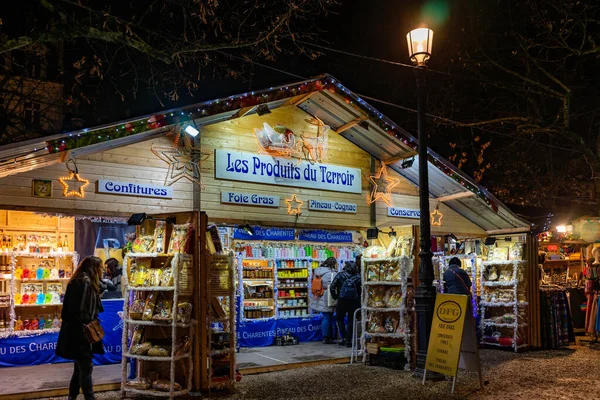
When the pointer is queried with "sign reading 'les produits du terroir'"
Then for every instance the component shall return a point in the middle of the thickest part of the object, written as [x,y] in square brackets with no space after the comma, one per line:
[251,199]
[403,212]
[249,167]
[333,206]
[135,189]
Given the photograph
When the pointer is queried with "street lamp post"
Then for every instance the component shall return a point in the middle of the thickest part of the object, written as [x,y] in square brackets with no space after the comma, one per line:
[419,49]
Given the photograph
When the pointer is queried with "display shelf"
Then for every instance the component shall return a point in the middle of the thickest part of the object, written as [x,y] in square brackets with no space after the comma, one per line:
[177,267]
[6,334]
[500,283]
[156,358]
[44,255]
[291,307]
[291,297]
[38,305]
[383,283]
[259,299]
[43,280]
[154,323]
[155,393]
[398,335]
[219,352]
[290,268]
[152,288]
[503,304]
[384,309]
[516,306]
[405,266]
[487,322]
[293,287]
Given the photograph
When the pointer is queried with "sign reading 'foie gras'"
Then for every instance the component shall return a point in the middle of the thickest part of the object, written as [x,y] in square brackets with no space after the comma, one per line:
[251,199]
[249,167]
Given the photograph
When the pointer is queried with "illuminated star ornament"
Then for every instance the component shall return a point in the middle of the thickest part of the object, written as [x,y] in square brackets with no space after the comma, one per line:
[436,218]
[78,183]
[382,186]
[180,163]
[294,205]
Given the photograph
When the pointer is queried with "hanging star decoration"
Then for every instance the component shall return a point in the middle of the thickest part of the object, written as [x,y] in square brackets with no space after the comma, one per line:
[183,159]
[294,205]
[436,217]
[382,186]
[78,182]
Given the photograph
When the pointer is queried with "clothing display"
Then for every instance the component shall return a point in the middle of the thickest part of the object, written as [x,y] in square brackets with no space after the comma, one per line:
[557,328]
[591,317]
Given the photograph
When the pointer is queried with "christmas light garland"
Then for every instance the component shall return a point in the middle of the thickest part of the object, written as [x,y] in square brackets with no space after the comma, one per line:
[87,137]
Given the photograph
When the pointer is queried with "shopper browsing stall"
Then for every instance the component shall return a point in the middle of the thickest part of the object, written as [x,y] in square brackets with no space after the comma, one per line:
[320,300]
[346,288]
[80,308]
[456,279]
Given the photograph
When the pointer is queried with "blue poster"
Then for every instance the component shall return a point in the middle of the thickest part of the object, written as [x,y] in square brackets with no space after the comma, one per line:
[262,233]
[39,348]
[256,333]
[305,329]
[316,235]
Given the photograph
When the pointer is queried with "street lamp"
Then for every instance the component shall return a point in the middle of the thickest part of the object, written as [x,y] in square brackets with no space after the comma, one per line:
[419,50]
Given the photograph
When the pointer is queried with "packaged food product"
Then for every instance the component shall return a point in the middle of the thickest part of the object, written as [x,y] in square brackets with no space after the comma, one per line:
[137,309]
[183,346]
[163,311]
[184,312]
[149,307]
[137,336]
[159,351]
[375,323]
[372,272]
[164,385]
[393,297]
[376,296]
[140,383]
[143,244]
[179,238]
[141,349]
[166,278]
[153,277]
[160,237]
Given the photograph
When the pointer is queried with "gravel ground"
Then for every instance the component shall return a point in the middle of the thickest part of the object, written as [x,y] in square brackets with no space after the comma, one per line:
[560,374]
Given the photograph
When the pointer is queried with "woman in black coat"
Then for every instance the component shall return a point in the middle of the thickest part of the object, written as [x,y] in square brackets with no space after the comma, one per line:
[81,305]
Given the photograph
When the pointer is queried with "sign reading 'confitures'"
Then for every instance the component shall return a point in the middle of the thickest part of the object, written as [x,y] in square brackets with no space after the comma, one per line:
[134,189]
[249,167]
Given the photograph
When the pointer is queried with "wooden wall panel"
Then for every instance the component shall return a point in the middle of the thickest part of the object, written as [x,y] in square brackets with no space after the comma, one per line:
[238,135]
[134,163]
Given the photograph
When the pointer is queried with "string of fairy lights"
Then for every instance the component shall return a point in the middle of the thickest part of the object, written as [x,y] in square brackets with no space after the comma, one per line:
[232,104]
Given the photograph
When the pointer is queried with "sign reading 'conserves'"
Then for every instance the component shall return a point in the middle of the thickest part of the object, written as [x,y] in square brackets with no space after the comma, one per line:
[258,168]
[134,189]
[403,212]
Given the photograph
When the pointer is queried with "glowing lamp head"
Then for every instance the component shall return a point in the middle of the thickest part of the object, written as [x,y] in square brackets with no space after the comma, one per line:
[420,42]
[561,229]
[190,130]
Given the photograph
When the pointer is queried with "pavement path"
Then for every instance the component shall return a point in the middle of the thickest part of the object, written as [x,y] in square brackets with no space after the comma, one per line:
[559,374]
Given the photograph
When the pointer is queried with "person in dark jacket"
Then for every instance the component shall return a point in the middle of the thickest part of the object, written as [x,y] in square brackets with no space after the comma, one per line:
[81,305]
[114,272]
[346,288]
[326,272]
[456,279]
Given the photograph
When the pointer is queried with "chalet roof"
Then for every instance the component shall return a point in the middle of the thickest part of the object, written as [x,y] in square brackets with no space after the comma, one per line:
[323,97]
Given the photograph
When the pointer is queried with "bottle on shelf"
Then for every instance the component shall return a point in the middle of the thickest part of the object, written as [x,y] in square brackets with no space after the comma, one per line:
[35,323]
[41,323]
[26,324]
[48,322]
[19,324]
[65,244]
[59,246]
[56,322]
